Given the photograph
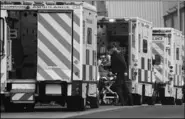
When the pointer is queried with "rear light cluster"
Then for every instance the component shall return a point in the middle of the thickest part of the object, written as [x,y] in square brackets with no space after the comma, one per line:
[76,88]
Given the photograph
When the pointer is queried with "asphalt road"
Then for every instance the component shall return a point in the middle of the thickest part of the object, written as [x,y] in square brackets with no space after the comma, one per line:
[102,112]
[141,112]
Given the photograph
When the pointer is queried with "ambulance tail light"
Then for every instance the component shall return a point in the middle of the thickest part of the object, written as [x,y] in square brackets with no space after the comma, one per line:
[171,73]
[76,88]
[171,69]
[13,33]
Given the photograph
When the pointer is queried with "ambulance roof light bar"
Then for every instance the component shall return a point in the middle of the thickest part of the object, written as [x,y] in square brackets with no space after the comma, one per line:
[28,3]
[112,20]
[7,2]
[60,3]
[17,3]
[50,3]
[38,3]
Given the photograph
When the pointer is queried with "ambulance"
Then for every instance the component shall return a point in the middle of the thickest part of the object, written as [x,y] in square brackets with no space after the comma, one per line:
[48,53]
[134,35]
[168,49]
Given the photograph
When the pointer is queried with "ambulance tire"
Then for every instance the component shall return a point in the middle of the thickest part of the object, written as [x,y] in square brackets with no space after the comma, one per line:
[2,104]
[8,106]
[137,99]
[94,102]
[30,107]
[168,101]
[11,107]
[140,100]
[178,101]
[82,104]
[171,101]
[150,101]
[76,103]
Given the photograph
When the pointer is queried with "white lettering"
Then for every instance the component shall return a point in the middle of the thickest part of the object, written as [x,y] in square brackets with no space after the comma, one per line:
[157,38]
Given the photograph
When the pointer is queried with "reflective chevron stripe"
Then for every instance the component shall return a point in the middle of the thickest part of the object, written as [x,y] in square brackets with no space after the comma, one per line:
[158,48]
[55,46]
[22,97]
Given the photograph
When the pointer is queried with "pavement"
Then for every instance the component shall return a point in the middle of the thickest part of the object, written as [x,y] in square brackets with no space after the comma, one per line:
[102,112]
[170,111]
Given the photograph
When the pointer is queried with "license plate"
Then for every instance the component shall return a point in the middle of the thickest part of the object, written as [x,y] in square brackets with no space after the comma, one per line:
[53,89]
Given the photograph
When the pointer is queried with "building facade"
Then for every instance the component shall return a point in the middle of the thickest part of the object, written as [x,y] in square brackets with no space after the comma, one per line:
[171,16]
[146,9]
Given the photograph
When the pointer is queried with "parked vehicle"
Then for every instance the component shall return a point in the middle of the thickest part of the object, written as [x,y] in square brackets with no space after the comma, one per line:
[48,53]
[168,50]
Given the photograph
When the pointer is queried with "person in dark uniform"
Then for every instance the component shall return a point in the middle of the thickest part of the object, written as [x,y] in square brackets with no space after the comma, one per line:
[118,66]
[127,85]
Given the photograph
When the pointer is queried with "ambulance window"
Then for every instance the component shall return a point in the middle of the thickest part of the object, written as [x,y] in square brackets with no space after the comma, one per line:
[157,59]
[1,35]
[145,46]
[89,35]
[177,53]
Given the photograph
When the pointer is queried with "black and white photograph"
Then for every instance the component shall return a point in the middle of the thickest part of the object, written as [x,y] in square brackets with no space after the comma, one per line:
[92,59]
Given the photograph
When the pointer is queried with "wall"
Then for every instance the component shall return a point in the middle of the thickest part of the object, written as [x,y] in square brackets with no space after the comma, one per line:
[170,16]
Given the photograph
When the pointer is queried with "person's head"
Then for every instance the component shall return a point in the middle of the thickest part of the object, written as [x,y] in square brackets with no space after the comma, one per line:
[115,49]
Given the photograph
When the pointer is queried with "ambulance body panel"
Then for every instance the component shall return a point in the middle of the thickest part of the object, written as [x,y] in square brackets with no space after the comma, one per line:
[168,43]
[47,61]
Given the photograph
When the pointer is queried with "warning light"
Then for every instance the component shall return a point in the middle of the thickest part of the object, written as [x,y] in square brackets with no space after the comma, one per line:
[111,20]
